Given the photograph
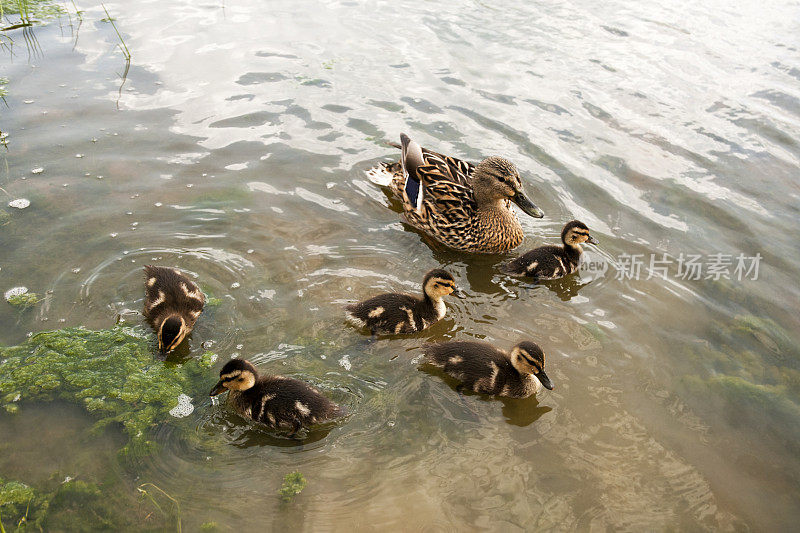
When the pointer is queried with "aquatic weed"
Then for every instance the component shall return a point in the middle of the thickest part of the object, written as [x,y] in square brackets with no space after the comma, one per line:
[73,505]
[20,503]
[112,373]
[122,46]
[29,10]
[293,484]
[24,301]
[143,490]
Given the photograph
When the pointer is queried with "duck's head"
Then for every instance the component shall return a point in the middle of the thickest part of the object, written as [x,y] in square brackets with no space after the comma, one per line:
[171,333]
[237,375]
[495,179]
[528,358]
[439,283]
[575,233]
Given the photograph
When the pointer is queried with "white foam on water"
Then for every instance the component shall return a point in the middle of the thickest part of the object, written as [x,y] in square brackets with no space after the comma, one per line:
[184,407]
[16,291]
[19,203]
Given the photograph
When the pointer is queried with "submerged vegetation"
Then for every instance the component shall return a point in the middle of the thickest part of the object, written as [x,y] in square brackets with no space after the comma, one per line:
[151,491]
[293,484]
[24,301]
[112,373]
[73,505]
[752,370]
[28,11]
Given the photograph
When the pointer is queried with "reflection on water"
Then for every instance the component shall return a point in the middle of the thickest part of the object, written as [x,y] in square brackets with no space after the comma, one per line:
[239,153]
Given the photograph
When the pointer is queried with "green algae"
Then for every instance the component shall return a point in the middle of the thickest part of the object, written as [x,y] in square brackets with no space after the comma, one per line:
[30,10]
[112,373]
[293,484]
[24,301]
[770,399]
[212,301]
[764,407]
[21,505]
[767,332]
[74,505]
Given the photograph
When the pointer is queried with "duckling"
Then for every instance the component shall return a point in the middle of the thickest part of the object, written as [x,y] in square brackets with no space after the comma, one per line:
[172,304]
[553,262]
[277,401]
[485,369]
[395,313]
[462,205]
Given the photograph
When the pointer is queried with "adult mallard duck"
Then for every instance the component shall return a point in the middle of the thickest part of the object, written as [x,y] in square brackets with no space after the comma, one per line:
[553,262]
[462,205]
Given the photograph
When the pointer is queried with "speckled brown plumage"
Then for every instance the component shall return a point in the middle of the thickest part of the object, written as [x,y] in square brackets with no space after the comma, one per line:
[464,206]
[277,401]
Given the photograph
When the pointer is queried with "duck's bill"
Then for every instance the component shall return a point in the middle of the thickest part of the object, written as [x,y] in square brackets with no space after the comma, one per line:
[458,293]
[526,205]
[219,388]
[592,240]
[545,381]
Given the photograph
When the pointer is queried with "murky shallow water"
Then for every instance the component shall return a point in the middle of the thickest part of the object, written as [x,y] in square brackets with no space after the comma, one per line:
[236,149]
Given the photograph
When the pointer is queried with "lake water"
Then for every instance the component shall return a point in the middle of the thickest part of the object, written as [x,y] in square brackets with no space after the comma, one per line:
[236,149]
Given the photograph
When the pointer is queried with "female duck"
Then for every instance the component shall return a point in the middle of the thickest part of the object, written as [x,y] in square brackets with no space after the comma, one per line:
[552,262]
[172,304]
[463,206]
[485,369]
[276,401]
[394,313]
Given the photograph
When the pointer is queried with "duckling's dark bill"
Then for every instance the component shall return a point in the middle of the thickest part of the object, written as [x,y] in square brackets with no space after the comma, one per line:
[592,240]
[544,380]
[526,205]
[219,388]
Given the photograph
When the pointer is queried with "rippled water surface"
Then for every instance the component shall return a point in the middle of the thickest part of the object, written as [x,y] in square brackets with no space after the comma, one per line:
[236,149]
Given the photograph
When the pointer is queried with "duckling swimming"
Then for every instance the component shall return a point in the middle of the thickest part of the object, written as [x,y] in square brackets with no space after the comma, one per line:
[172,304]
[485,369]
[395,313]
[552,262]
[276,401]
[462,205]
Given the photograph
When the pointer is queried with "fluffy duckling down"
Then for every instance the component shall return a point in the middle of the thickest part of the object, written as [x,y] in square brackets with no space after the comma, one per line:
[553,262]
[172,304]
[485,369]
[395,313]
[277,401]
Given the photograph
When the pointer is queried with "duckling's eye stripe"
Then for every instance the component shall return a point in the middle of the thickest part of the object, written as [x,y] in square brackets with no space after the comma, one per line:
[228,377]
